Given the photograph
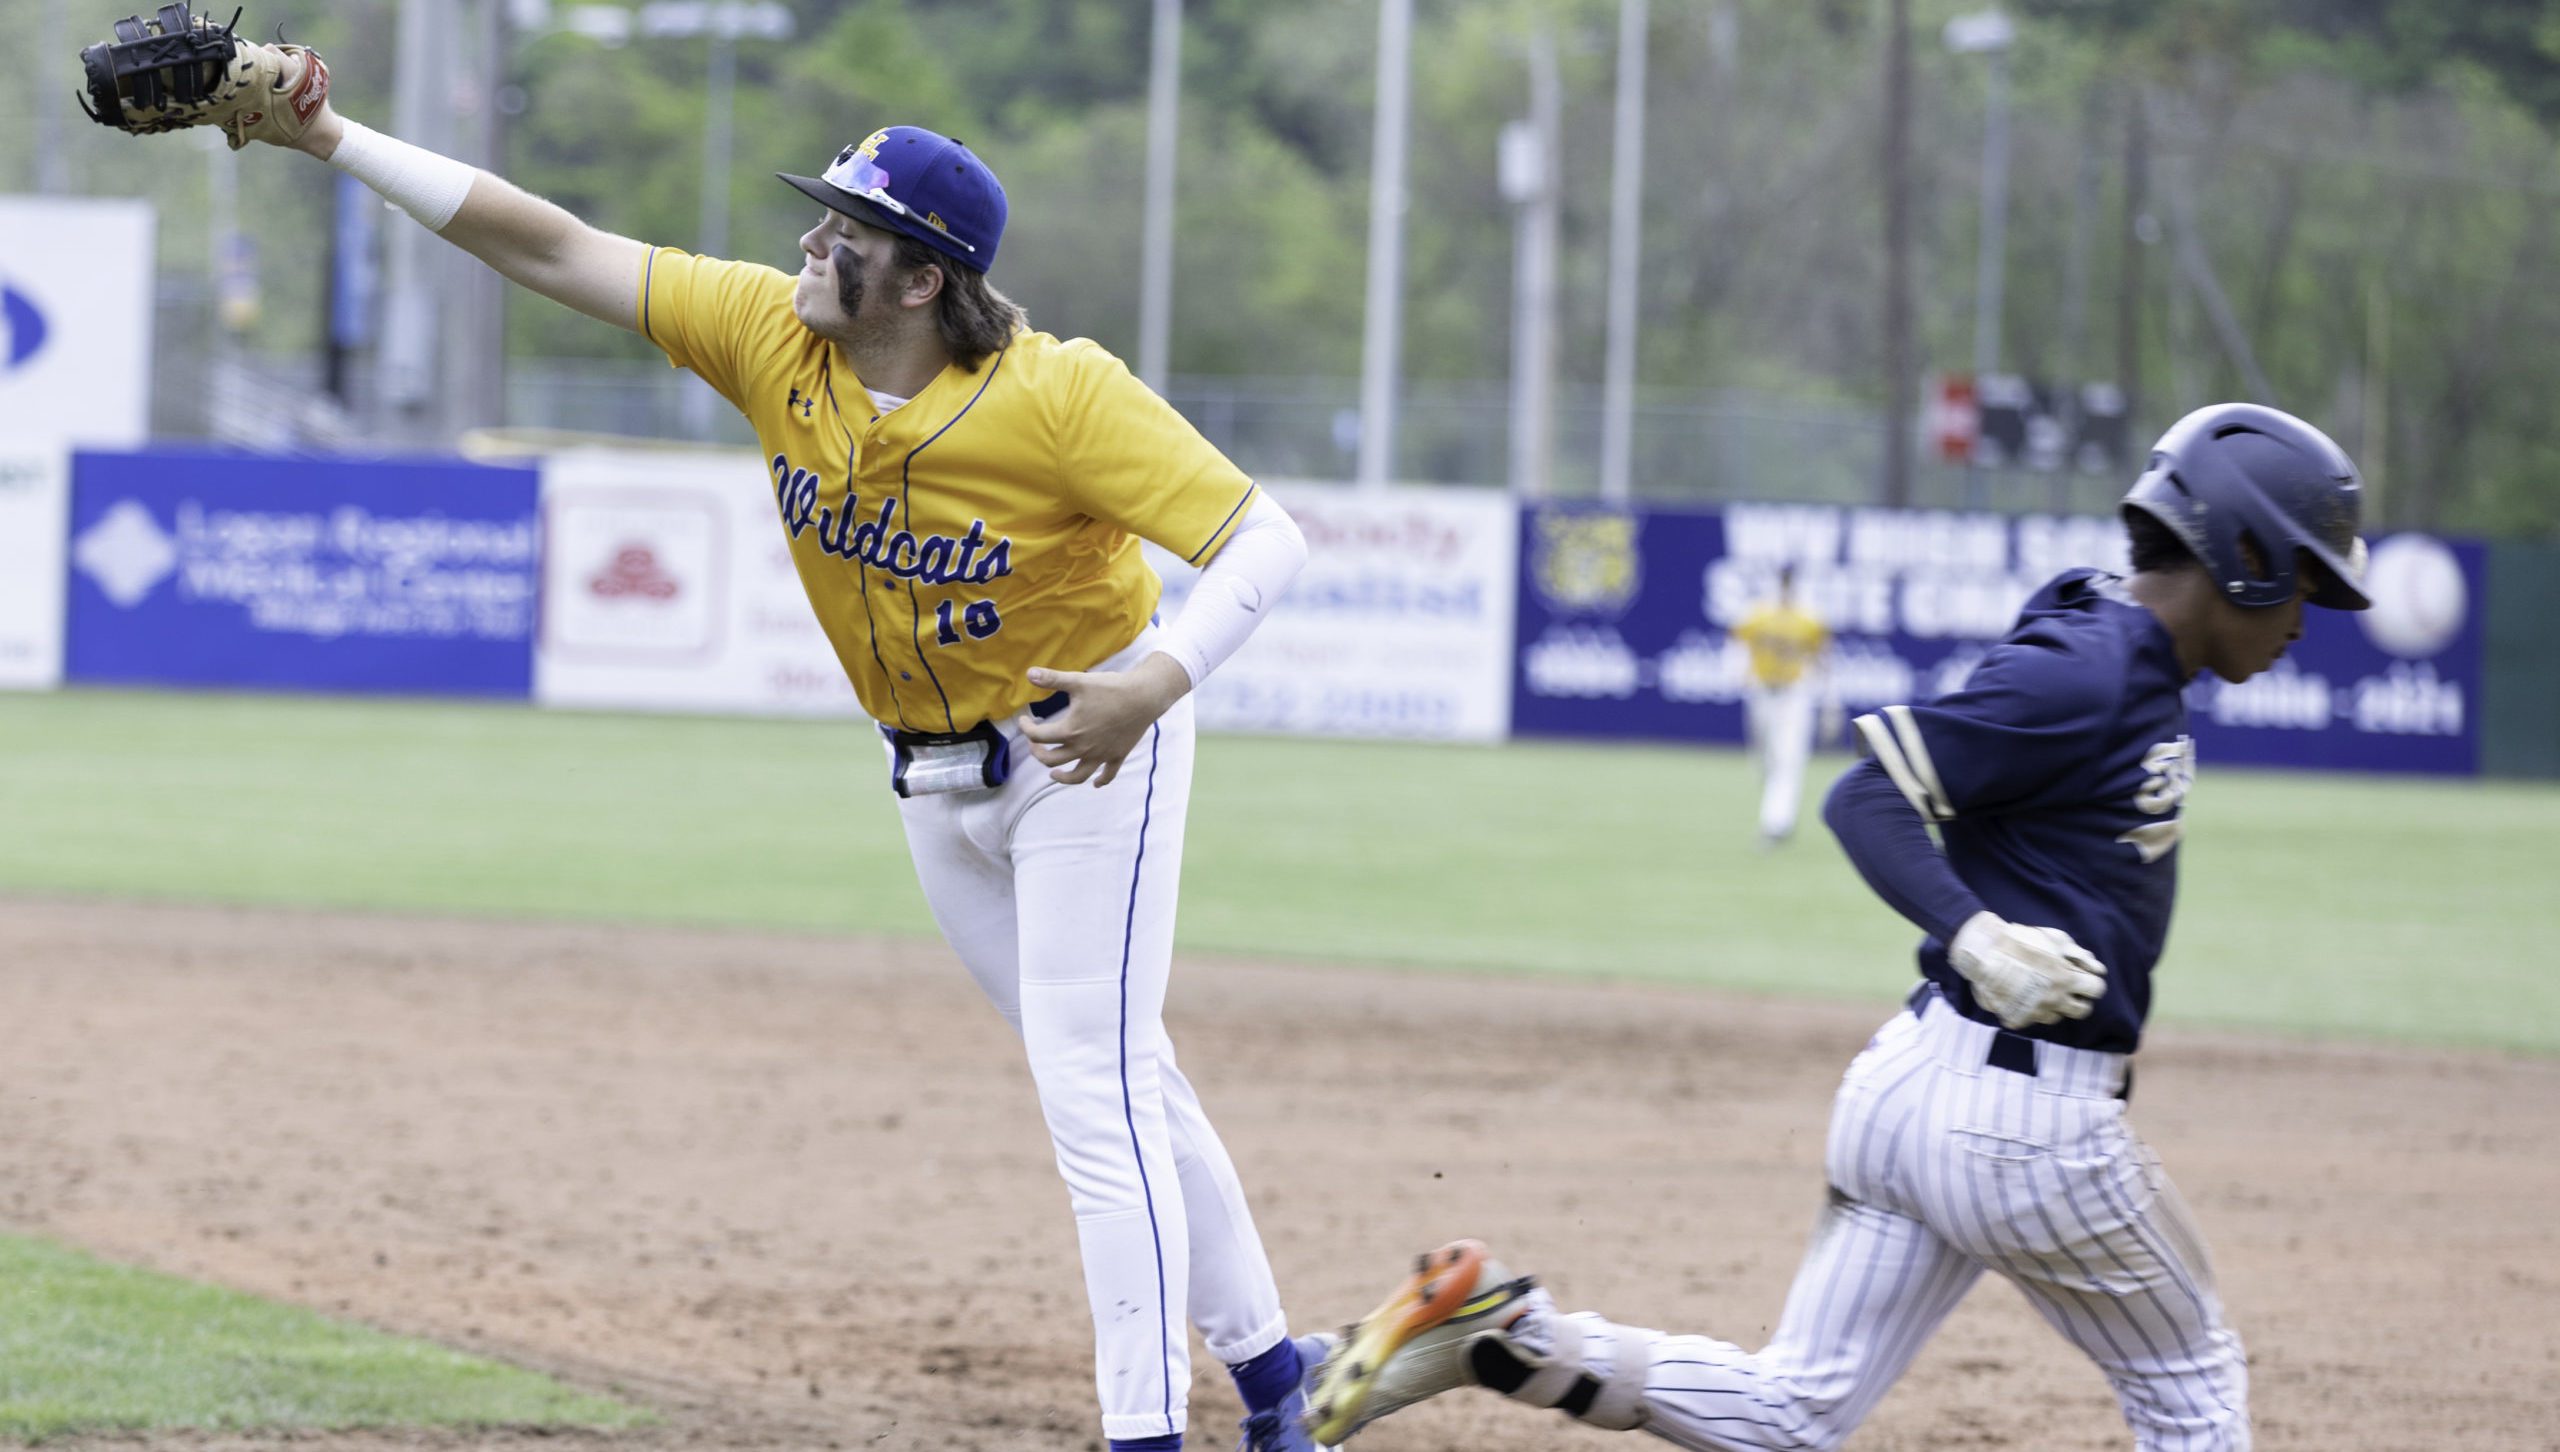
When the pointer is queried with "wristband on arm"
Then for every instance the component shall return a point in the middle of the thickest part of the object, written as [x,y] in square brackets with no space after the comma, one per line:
[419,182]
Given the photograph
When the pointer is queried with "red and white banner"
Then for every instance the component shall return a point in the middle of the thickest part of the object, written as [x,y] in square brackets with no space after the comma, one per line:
[667,586]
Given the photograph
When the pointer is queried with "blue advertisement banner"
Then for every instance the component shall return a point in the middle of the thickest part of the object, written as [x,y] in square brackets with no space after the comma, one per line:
[1624,621]
[401,577]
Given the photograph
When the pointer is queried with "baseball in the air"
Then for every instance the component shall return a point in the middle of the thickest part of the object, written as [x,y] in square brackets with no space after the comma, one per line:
[2419,599]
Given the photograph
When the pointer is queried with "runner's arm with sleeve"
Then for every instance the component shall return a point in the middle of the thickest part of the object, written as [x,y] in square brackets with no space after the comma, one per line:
[1888,842]
[2010,740]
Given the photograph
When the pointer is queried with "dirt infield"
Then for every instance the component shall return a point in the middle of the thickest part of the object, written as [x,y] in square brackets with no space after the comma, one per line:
[792,1192]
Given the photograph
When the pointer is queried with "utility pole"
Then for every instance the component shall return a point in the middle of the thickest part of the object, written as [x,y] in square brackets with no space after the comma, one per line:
[2137,201]
[1530,182]
[473,358]
[1382,335]
[1155,268]
[53,172]
[1626,253]
[1988,33]
[1901,383]
[408,372]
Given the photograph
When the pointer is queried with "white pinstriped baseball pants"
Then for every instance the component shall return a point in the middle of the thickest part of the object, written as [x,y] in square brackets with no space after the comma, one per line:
[1943,1167]
[1060,902]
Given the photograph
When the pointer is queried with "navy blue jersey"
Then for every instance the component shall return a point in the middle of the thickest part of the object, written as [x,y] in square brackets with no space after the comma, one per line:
[2056,775]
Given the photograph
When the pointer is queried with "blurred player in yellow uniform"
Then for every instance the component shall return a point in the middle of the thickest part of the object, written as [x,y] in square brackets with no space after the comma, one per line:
[964,499]
[1788,645]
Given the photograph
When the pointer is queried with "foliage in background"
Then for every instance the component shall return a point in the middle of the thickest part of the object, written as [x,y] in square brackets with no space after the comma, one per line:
[2370,183]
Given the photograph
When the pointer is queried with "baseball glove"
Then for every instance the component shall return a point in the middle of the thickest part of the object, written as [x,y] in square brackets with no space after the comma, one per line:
[182,70]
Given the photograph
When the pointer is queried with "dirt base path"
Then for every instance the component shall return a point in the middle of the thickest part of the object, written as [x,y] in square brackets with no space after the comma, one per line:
[792,1192]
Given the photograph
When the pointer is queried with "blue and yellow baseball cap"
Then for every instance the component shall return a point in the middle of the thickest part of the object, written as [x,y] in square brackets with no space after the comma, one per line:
[919,184]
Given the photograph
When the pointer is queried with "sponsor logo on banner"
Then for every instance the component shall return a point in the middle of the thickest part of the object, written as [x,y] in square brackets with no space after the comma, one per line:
[668,587]
[126,554]
[22,327]
[1915,597]
[1587,562]
[75,327]
[633,575]
[198,569]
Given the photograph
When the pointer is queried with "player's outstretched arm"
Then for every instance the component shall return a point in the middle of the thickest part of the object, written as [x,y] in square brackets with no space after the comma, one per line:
[179,70]
[531,242]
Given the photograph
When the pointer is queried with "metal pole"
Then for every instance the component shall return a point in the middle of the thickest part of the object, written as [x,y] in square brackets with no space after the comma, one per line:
[1533,325]
[1381,336]
[222,217]
[473,390]
[1901,383]
[1155,273]
[1995,232]
[408,359]
[1995,222]
[53,172]
[1626,248]
[719,107]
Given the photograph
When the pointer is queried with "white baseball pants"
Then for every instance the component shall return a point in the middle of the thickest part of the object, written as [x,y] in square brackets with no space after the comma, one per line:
[1943,1167]
[1782,729]
[1060,902]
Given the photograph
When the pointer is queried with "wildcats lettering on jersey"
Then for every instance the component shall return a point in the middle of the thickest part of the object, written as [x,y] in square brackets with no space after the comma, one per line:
[933,559]
[1020,482]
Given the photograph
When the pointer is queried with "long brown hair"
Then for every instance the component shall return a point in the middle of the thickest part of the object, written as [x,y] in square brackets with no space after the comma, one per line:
[975,320]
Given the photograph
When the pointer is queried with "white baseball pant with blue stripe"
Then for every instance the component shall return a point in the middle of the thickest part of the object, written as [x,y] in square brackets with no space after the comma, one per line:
[1944,1166]
[1060,901]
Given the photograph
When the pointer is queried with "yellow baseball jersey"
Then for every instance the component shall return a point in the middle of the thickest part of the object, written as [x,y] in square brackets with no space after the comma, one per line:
[988,525]
[1784,640]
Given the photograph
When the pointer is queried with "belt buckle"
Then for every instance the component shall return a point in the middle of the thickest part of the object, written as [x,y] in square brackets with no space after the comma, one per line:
[923,763]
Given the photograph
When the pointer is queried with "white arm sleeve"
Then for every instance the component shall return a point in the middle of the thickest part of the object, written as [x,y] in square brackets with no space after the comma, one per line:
[419,182]
[1243,579]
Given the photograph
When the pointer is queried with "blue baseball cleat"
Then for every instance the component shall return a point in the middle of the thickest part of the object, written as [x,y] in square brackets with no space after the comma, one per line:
[1283,1428]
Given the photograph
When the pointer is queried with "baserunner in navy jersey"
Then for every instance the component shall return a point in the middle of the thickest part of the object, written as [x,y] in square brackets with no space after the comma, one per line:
[1984,1127]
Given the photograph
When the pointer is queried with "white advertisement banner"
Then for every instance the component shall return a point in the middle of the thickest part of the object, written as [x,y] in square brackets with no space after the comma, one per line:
[75,320]
[667,586]
[35,504]
[1400,626]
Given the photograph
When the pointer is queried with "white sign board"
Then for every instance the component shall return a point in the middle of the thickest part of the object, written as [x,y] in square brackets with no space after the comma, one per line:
[667,586]
[35,505]
[1400,625]
[75,320]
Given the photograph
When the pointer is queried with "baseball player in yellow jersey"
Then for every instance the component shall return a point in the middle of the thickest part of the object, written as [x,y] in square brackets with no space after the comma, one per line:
[1787,645]
[964,499]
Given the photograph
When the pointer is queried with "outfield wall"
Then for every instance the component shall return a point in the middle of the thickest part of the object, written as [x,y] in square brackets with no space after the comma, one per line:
[1625,614]
[630,579]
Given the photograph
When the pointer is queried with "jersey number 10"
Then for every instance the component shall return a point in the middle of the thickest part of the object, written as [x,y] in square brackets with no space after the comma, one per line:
[980,620]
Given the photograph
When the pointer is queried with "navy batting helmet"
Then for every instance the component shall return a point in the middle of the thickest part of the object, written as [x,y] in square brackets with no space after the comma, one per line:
[2237,479]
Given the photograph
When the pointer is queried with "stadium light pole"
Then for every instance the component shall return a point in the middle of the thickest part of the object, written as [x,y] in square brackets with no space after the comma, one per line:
[1529,183]
[1381,334]
[421,114]
[1155,271]
[1626,250]
[1988,33]
[724,24]
[52,167]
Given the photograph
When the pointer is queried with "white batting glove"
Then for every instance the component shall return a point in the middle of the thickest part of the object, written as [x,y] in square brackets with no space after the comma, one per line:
[2026,975]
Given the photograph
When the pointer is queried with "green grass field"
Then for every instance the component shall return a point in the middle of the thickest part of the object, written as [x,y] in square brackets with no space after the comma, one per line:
[2311,904]
[91,1347]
